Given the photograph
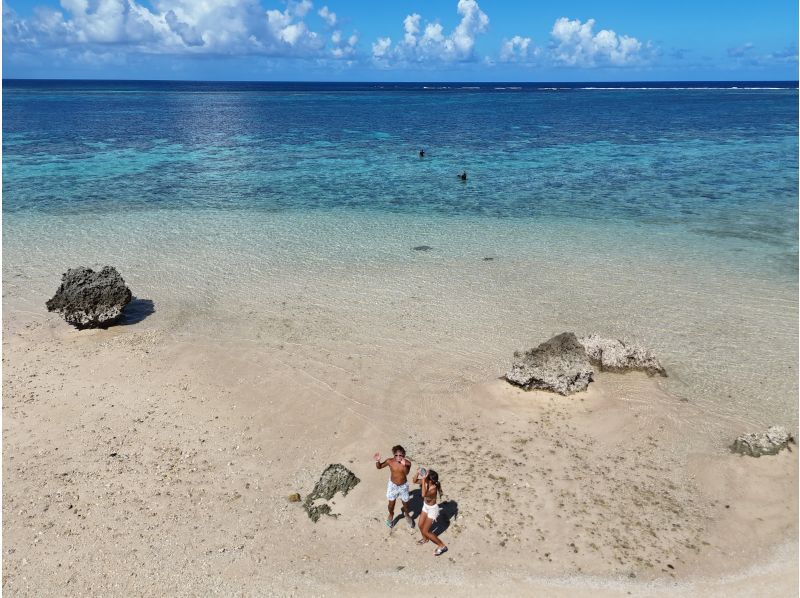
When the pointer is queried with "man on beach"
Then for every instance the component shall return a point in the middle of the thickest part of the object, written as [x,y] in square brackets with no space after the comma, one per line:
[399,467]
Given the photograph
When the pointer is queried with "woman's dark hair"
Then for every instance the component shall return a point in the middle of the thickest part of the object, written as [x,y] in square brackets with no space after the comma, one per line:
[434,478]
[398,449]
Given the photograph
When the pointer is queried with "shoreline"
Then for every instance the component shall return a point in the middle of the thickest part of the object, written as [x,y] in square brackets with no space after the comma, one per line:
[210,438]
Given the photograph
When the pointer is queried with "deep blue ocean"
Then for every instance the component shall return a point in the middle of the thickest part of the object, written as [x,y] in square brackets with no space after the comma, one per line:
[716,158]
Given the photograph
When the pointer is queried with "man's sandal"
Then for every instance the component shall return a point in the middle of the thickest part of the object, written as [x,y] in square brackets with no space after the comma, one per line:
[440,551]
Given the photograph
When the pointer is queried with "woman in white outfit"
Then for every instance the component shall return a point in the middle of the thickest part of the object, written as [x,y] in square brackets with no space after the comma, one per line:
[431,491]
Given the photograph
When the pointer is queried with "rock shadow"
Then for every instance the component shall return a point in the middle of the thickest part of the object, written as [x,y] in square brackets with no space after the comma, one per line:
[136,311]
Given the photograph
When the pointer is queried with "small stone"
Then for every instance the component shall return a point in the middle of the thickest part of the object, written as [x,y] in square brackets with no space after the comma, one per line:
[294,497]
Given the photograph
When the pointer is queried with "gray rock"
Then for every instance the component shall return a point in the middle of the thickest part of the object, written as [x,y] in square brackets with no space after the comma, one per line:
[559,365]
[771,442]
[89,299]
[422,248]
[335,478]
[612,355]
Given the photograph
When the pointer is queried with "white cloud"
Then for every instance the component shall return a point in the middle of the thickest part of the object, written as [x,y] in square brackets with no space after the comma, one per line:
[411,26]
[433,45]
[343,48]
[288,26]
[517,49]
[328,16]
[473,22]
[216,27]
[575,44]
[381,47]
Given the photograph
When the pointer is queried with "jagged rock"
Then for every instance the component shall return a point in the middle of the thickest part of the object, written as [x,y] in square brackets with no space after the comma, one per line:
[335,478]
[89,299]
[559,364]
[770,442]
[612,355]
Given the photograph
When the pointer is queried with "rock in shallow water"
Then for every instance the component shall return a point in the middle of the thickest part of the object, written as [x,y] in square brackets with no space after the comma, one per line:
[89,299]
[335,478]
[559,364]
[613,355]
[771,442]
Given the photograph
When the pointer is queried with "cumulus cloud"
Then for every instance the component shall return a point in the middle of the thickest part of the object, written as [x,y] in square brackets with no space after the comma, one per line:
[576,44]
[328,16]
[214,27]
[430,43]
[518,49]
[381,47]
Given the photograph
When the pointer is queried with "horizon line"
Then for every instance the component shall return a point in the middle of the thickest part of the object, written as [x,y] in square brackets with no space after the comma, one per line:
[572,82]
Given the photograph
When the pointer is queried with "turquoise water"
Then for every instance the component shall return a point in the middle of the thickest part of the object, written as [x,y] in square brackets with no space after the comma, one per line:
[667,216]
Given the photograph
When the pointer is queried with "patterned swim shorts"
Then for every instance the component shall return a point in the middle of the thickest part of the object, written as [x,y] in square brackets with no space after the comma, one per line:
[393,491]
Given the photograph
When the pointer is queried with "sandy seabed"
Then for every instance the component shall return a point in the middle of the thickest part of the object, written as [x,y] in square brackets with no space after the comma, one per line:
[138,461]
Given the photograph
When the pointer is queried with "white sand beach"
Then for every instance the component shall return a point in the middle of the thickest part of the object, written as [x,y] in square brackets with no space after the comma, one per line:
[157,457]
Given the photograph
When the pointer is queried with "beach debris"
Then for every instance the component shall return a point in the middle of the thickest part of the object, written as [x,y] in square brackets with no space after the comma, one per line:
[613,355]
[756,444]
[335,478]
[294,497]
[89,299]
[422,248]
[559,365]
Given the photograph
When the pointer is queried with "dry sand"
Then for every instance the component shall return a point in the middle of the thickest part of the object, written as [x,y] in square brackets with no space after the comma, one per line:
[136,462]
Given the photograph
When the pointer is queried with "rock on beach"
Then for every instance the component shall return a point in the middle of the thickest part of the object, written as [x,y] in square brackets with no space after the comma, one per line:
[756,444]
[612,355]
[335,478]
[559,365]
[89,299]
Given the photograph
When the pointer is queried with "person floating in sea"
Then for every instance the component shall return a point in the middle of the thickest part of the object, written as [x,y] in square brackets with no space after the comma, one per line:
[399,467]
[431,491]
[422,153]
[463,176]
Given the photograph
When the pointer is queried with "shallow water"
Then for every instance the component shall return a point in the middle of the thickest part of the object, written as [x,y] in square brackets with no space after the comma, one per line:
[667,217]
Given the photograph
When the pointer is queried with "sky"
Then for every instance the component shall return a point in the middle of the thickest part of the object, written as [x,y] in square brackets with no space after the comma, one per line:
[401,40]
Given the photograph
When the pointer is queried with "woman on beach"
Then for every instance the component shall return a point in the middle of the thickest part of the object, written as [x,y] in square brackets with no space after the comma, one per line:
[431,490]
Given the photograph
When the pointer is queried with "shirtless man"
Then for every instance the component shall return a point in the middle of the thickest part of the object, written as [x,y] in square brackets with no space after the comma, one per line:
[399,467]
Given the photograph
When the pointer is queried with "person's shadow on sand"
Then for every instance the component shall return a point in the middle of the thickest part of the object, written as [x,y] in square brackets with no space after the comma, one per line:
[136,311]
[415,503]
[448,510]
